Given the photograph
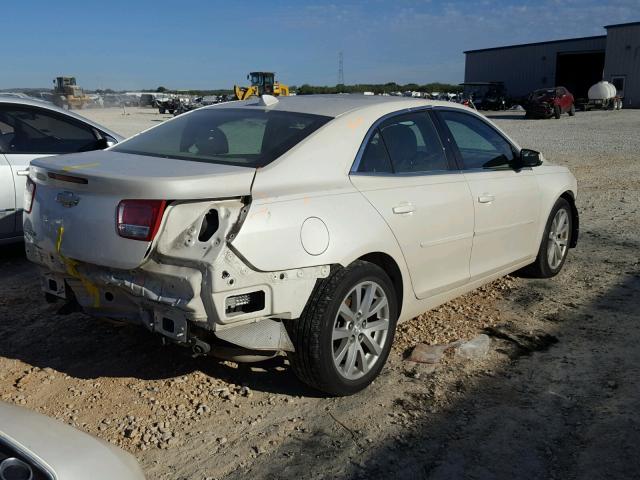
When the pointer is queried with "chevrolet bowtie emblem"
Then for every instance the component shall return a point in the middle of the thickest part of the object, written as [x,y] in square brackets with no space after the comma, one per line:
[67,199]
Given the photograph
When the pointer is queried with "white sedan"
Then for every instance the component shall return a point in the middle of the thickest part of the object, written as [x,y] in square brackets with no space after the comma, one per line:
[309,224]
[29,129]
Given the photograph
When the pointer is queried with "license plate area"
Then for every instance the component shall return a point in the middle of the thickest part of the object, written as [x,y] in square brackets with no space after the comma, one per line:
[171,326]
[54,284]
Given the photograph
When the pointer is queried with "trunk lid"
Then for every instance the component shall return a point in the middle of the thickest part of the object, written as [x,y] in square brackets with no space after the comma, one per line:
[74,213]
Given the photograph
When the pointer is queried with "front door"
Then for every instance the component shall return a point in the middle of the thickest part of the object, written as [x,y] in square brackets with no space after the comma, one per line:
[506,201]
[425,200]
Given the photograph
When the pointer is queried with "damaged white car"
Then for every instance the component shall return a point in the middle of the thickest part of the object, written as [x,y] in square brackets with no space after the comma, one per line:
[308,224]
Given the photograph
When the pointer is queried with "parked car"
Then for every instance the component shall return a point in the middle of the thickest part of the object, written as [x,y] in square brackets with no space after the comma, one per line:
[36,447]
[30,129]
[308,224]
[550,102]
[487,95]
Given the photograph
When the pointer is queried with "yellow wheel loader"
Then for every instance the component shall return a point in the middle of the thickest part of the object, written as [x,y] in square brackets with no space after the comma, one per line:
[68,95]
[261,83]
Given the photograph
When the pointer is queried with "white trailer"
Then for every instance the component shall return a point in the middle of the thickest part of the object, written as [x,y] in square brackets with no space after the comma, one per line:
[602,95]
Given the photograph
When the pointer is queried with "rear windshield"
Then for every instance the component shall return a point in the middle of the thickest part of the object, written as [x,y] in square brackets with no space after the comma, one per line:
[235,136]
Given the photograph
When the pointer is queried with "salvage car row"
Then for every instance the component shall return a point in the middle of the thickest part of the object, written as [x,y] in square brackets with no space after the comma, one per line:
[309,225]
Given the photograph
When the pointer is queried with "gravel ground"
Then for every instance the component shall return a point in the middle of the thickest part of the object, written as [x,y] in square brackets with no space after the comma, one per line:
[558,400]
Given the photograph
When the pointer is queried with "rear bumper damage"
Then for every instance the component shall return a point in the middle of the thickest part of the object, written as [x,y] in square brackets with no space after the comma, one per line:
[187,289]
[245,307]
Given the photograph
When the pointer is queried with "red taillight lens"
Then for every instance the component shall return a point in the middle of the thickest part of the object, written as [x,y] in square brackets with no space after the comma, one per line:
[29,195]
[139,219]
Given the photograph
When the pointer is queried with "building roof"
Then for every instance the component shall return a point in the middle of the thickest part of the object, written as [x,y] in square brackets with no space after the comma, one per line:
[538,43]
[622,25]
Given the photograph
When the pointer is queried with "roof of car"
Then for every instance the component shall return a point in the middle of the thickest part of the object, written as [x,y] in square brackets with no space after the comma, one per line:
[35,102]
[334,105]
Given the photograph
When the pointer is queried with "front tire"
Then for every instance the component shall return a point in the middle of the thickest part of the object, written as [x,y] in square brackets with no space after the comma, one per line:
[572,110]
[557,112]
[555,242]
[343,338]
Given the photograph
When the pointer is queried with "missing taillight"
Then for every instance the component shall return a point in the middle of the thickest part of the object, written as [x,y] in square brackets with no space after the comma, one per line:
[139,219]
[29,195]
[209,225]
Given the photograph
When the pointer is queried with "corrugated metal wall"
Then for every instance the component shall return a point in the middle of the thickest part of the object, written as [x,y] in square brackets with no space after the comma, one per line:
[622,58]
[525,68]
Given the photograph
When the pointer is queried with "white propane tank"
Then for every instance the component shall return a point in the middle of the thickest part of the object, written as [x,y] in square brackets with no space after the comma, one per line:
[602,91]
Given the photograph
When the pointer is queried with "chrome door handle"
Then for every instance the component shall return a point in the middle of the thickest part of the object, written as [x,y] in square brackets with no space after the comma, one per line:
[404,208]
[22,173]
[486,198]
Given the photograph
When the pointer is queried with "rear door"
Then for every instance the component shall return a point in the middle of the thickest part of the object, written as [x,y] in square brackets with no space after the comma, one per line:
[405,174]
[33,132]
[506,201]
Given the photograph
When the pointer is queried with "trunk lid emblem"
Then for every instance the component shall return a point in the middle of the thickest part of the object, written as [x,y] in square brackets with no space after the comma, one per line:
[67,199]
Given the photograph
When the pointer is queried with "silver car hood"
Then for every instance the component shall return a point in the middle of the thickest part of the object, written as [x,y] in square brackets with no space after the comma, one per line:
[66,452]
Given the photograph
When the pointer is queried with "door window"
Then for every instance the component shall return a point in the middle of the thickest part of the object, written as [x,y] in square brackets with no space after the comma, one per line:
[35,130]
[480,145]
[413,144]
[618,82]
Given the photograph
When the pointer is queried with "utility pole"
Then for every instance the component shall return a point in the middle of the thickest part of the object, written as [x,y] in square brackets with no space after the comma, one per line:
[340,68]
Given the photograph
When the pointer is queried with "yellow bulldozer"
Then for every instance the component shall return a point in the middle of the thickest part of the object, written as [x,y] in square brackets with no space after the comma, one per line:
[261,83]
[68,95]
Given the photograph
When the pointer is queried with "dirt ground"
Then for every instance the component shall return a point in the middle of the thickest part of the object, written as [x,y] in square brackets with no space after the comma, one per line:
[560,400]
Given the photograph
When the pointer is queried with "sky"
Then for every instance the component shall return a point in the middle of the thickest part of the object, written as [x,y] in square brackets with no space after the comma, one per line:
[209,44]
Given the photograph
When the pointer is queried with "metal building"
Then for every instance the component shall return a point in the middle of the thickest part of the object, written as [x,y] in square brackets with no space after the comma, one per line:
[575,63]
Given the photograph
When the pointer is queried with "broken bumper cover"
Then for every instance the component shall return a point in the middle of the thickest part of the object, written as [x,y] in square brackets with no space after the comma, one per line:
[240,305]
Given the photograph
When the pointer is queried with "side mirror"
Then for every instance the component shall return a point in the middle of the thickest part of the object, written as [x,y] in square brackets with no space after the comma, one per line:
[529,158]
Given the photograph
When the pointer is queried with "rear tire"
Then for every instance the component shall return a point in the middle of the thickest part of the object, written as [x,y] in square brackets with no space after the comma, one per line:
[341,344]
[554,246]
[572,110]
[557,112]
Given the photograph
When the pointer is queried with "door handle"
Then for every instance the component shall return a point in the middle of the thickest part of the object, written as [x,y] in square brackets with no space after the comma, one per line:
[486,198]
[22,173]
[404,208]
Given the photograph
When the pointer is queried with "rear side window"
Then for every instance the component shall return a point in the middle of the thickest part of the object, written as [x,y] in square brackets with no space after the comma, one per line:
[35,130]
[406,143]
[413,144]
[480,145]
[235,136]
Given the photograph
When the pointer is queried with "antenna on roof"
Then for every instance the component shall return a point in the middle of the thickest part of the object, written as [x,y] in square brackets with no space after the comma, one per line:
[268,100]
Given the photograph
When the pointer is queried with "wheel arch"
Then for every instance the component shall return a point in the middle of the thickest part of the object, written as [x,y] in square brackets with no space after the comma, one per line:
[387,263]
[575,224]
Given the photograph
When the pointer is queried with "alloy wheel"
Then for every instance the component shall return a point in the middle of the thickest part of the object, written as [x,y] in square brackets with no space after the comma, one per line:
[360,330]
[558,239]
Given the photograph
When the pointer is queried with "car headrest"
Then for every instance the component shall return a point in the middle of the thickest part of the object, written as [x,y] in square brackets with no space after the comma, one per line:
[401,141]
[208,140]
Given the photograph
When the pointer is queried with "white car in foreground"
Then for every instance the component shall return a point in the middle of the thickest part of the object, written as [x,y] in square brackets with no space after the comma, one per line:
[310,225]
[36,447]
